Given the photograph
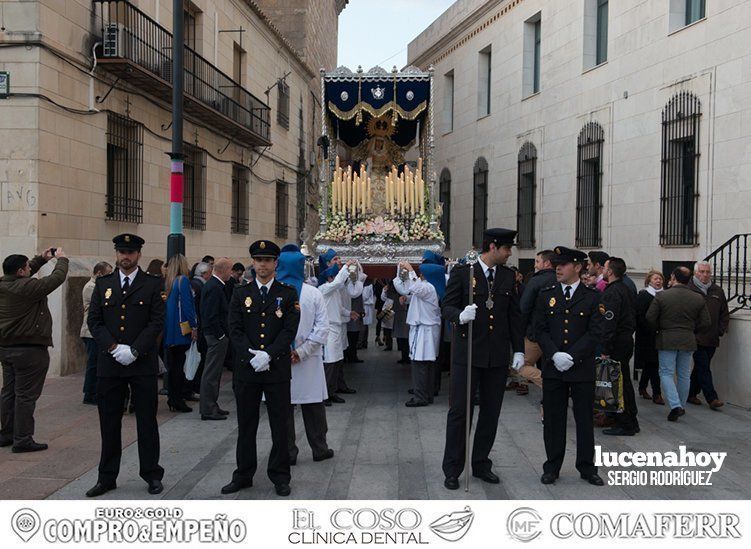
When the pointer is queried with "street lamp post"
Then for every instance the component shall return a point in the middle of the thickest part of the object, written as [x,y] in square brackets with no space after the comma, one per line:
[176,238]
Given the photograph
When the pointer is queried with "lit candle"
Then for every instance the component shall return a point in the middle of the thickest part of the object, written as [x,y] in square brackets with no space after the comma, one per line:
[333,195]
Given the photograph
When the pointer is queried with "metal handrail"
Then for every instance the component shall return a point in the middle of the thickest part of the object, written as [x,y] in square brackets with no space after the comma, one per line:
[730,271]
[142,40]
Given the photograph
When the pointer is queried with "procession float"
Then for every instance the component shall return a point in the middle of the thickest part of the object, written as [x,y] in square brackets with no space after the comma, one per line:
[378,191]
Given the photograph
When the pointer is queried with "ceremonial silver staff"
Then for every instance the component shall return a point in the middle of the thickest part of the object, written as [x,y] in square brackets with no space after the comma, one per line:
[471,259]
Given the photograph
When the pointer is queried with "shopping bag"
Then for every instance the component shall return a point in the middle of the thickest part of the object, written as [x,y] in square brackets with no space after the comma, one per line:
[192,359]
[608,386]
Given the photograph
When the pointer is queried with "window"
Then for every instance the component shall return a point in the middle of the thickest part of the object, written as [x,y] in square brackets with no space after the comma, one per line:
[680,166]
[595,32]
[240,194]
[194,188]
[124,169]
[480,207]
[445,199]
[483,83]
[685,12]
[589,186]
[238,62]
[282,104]
[532,54]
[282,208]
[448,102]
[526,195]
[190,25]
[694,10]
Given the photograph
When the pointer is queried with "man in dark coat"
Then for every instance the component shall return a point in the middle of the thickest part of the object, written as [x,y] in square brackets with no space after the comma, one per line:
[497,330]
[126,316]
[618,310]
[263,321]
[566,322]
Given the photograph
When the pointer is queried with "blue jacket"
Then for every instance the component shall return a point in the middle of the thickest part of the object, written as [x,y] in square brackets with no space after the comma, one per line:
[181,293]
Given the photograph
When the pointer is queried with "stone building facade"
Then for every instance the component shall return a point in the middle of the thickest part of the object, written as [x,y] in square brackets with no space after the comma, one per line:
[85,133]
[623,126]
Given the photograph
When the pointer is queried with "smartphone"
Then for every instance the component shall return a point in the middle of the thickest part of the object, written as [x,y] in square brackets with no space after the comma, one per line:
[54,251]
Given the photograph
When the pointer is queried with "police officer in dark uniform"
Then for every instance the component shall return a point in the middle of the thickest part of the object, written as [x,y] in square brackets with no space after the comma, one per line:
[497,329]
[566,326]
[618,309]
[126,316]
[263,319]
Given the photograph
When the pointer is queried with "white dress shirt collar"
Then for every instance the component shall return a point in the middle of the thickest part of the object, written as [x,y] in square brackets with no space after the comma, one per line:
[268,284]
[486,268]
[219,279]
[131,277]
[574,286]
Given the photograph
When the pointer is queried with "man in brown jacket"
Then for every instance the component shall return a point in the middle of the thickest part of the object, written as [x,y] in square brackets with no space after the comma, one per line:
[25,334]
[708,341]
[677,315]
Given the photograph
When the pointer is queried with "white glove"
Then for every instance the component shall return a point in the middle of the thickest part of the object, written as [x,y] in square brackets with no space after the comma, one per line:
[468,314]
[260,362]
[563,361]
[123,355]
[518,361]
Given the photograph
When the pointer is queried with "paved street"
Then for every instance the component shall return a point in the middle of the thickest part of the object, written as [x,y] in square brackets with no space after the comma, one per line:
[383,449]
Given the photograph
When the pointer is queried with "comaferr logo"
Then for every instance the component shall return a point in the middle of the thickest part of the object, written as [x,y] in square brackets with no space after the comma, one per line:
[453,526]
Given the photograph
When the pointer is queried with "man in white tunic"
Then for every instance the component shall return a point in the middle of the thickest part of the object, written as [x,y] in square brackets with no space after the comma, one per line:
[308,386]
[424,320]
[330,282]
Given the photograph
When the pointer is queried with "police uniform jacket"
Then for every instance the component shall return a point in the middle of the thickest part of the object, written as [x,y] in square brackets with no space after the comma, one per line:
[135,319]
[569,327]
[618,310]
[494,330]
[254,324]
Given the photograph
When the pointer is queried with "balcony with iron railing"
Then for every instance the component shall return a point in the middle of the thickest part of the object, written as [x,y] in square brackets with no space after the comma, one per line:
[138,50]
[731,270]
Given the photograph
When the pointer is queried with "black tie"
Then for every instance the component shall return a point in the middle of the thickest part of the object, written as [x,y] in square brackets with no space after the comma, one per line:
[264,293]
[490,277]
[126,284]
[568,293]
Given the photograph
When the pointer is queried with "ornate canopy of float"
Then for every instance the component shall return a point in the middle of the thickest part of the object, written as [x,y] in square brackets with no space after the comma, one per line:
[378,182]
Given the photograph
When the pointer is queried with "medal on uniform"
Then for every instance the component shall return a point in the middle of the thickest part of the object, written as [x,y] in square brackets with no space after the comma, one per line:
[108,293]
[279,307]
[489,303]
[248,302]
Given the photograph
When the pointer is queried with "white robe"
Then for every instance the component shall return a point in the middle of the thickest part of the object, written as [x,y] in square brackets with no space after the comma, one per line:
[368,300]
[308,378]
[423,317]
[333,350]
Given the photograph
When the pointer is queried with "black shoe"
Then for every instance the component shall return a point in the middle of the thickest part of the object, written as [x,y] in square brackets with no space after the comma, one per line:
[30,447]
[282,490]
[179,406]
[404,361]
[293,460]
[548,478]
[337,399]
[99,489]
[411,391]
[412,403]
[90,401]
[488,476]
[593,479]
[222,412]
[347,391]
[618,432]
[328,454]
[155,487]
[235,486]
[674,414]
[131,408]
[327,402]
[5,442]
[213,417]
[452,483]
[681,411]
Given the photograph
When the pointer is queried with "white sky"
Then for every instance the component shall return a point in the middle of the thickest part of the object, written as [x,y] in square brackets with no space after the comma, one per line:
[377,32]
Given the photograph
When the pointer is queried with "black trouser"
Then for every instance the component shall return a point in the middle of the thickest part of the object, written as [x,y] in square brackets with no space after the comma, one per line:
[379,321]
[622,353]
[490,382]
[176,371]
[314,418]
[248,396]
[650,375]
[701,375]
[402,343]
[423,380]
[110,396]
[24,371]
[362,341]
[332,371]
[350,353]
[388,340]
[555,394]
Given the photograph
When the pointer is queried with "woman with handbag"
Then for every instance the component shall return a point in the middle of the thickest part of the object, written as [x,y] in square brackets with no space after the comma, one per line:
[180,328]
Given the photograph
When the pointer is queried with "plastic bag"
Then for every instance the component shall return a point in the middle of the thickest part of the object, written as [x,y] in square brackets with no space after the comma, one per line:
[192,360]
[608,386]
